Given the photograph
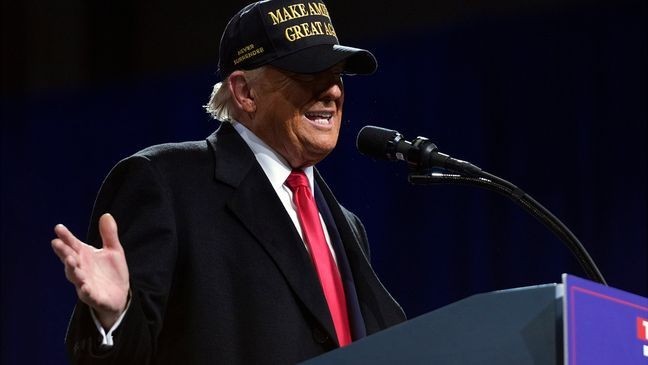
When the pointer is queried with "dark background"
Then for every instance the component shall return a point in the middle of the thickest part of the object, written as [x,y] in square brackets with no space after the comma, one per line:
[550,95]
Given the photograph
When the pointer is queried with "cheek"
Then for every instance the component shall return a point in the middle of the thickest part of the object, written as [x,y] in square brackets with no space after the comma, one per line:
[285,108]
[277,114]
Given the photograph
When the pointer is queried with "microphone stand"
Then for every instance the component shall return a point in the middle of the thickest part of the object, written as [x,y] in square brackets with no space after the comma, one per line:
[491,182]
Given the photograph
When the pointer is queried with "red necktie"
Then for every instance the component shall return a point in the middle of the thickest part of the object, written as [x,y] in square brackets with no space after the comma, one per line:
[320,253]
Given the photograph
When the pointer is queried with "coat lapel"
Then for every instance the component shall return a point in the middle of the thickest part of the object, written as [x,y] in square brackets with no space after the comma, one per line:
[255,203]
[378,307]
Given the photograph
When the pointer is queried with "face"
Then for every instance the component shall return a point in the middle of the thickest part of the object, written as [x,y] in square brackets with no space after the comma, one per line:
[298,115]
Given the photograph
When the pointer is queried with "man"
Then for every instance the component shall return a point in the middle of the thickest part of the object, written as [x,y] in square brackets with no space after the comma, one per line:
[234,250]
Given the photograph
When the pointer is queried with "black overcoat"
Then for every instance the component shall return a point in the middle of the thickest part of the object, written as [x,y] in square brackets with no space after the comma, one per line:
[218,273]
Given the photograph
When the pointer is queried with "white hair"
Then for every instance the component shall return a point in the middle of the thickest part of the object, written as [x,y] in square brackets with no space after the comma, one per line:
[220,105]
[220,102]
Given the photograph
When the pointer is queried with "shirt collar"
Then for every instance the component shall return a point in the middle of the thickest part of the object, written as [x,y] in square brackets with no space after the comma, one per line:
[273,164]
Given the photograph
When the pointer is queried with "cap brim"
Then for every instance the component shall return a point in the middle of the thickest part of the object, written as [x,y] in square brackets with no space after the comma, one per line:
[324,56]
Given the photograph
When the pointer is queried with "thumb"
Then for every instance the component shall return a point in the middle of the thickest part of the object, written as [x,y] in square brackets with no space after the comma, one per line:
[108,231]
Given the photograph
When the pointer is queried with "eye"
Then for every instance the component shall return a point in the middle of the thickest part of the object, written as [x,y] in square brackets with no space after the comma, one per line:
[302,78]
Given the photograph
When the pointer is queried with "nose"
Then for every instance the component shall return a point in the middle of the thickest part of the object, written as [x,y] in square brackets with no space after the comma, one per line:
[334,90]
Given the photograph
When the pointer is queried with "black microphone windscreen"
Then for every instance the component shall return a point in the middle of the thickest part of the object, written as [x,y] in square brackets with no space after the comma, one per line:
[374,141]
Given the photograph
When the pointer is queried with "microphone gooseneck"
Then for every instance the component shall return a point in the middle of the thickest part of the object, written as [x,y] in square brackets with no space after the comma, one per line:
[422,156]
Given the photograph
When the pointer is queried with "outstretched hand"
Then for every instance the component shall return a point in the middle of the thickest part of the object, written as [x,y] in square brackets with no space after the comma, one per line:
[100,276]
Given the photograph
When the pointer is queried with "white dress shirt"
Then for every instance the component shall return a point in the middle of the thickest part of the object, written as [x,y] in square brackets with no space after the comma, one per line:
[277,170]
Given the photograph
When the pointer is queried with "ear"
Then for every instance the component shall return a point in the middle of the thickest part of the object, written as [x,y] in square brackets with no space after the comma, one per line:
[242,93]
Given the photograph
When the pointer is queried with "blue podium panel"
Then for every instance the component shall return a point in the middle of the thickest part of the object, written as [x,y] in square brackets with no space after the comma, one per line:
[516,326]
[604,326]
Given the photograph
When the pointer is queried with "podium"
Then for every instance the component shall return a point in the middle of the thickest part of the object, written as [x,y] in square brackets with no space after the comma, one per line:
[574,322]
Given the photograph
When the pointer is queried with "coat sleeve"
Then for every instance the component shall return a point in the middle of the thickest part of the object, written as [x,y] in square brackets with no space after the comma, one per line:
[136,194]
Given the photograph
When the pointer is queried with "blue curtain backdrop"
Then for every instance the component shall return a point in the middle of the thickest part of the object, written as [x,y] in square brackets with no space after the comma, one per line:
[553,101]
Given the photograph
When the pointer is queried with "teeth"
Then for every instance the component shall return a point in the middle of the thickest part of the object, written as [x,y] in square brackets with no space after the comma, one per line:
[319,118]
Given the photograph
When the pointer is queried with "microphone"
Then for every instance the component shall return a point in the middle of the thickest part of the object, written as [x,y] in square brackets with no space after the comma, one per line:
[420,153]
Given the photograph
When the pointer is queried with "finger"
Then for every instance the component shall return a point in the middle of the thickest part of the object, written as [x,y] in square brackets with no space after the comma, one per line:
[72,271]
[71,262]
[108,231]
[69,274]
[80,275]
[67,237]
[62,250]
[86,295]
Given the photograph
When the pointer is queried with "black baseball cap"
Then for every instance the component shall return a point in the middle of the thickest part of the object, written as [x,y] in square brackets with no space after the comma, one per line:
[294,35]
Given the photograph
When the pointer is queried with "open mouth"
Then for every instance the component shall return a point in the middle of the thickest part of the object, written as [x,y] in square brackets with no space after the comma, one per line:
[319,118]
